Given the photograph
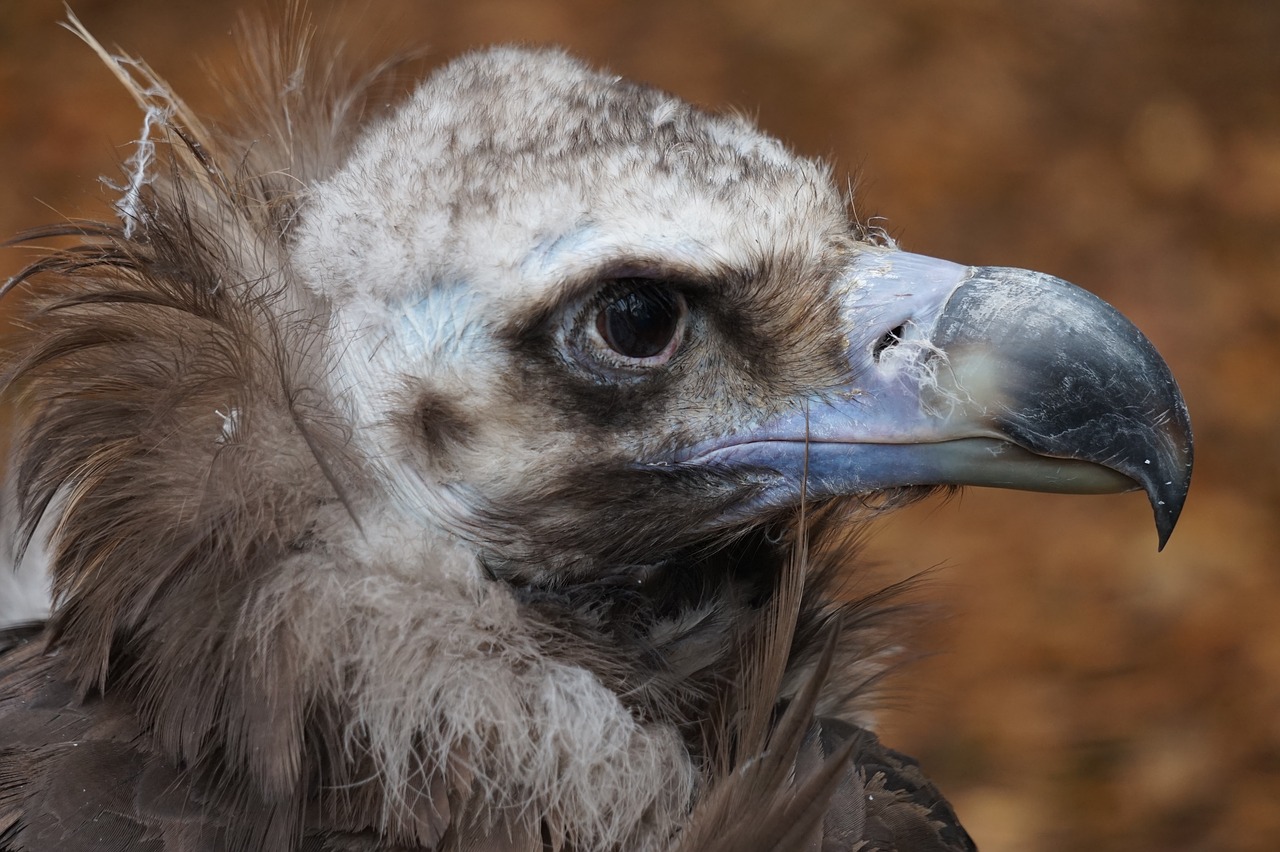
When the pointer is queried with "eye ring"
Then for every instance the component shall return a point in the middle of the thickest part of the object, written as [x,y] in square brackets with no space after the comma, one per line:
[640,322]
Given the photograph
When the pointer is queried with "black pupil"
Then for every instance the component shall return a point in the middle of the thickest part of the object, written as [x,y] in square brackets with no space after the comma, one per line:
[641,322]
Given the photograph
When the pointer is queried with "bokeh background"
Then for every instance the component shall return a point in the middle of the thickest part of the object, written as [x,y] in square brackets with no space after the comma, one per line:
[1084,692]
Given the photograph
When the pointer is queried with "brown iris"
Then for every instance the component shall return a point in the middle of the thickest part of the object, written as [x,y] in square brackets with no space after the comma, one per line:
[642,321]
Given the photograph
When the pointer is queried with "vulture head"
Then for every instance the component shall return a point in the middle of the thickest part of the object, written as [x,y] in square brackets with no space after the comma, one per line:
[478,472]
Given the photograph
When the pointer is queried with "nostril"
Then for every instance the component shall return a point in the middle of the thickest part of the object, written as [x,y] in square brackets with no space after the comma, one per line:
[891,338]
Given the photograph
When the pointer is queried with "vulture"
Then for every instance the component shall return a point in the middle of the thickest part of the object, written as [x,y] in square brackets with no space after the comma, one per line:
[480,464]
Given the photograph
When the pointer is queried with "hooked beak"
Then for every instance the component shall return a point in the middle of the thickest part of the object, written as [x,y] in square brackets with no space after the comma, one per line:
[977,376]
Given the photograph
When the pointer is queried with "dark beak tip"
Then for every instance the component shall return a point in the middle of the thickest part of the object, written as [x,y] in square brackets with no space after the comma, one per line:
[1167,499]
[1166,519]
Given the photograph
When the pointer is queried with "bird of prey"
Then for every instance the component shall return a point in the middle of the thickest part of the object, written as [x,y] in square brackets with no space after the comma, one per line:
[478,469]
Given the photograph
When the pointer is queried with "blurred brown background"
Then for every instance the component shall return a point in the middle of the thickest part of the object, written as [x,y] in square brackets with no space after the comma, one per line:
[1087,693]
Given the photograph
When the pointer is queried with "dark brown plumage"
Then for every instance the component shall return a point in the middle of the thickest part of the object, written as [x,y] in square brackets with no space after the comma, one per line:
[474,473]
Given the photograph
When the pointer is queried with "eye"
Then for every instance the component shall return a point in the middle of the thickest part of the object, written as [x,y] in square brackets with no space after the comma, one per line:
[643,321]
